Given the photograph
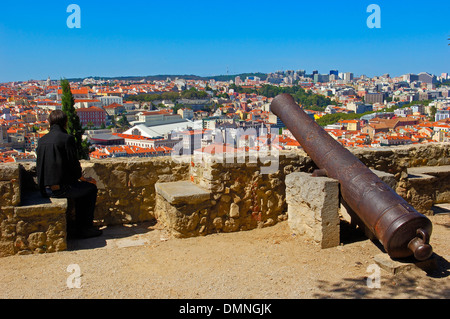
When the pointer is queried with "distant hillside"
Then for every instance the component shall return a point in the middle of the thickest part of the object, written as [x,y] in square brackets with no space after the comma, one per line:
[163,77]
[159,77]
[243,76]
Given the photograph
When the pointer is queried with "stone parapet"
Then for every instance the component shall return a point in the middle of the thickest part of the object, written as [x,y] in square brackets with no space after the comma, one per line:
[243,194]
[126,187]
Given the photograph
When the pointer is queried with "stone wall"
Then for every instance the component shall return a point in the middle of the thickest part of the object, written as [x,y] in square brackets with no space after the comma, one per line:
[396,160]
[421,193]
[127,186]
[127,193]
[242,197]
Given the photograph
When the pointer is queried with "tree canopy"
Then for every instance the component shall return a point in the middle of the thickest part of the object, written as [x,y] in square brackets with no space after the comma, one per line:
[305,98]
[73,121]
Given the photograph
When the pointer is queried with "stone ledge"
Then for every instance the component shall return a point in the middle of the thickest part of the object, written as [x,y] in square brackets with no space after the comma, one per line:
[430,170]
[182,192]
[426,186]
[34,204]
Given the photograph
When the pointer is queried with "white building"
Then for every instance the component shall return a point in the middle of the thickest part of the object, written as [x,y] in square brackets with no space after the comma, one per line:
[442,115]
[163,130]
[108,100]
[186,113]
[151,118]
[87,103]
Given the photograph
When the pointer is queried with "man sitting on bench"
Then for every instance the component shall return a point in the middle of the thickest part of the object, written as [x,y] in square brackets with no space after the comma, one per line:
[59,175]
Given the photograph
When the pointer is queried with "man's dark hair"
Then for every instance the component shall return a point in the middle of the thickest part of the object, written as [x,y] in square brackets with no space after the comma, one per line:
[58,117]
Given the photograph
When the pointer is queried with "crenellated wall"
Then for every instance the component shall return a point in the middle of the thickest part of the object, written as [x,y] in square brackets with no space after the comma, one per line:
[242,197]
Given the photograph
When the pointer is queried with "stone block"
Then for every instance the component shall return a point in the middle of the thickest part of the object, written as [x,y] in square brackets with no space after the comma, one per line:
[181,207]
[183,220]
[182,192]
[37,226]
[384,261]
[313,204]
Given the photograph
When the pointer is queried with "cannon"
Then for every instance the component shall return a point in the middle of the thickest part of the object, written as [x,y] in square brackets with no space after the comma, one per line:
[401,230]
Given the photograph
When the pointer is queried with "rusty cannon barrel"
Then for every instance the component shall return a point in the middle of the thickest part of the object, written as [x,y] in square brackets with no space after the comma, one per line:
[396,224]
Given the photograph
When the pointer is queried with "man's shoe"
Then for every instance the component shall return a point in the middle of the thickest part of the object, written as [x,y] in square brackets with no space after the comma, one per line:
[85,233]
[90,232]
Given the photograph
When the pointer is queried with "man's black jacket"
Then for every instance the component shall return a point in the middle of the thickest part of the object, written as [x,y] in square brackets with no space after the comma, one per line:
[57,161]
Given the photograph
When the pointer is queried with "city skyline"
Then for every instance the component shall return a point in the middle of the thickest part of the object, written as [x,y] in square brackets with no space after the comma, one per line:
[223,37]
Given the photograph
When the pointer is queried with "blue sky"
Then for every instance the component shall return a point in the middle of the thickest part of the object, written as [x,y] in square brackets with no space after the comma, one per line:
[120,38]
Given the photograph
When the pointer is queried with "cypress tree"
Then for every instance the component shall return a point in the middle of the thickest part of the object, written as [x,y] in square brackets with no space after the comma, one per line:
[74,127]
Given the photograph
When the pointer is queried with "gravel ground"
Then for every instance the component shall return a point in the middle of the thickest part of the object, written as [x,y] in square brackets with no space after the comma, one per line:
[140,261]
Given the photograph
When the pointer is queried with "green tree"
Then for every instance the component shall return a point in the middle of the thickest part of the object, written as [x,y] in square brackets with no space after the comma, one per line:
[123,121]
[73,121]
[433,113]
[177,107]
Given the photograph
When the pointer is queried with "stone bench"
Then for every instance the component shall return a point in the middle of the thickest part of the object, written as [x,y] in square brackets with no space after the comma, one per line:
[183,208]
[37,225]
[29,223]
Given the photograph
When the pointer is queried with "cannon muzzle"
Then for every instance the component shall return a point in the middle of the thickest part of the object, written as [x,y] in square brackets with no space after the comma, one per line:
[396,224]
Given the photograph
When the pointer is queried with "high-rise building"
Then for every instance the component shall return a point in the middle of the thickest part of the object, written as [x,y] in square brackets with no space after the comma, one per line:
[372,98]
[410,77]
[335,72]
[348,76]
[322,78]
[301,72]
[427,78]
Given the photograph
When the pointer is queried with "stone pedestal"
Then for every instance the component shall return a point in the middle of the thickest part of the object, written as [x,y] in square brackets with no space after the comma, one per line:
[183,208]
[400,266]
[313,208]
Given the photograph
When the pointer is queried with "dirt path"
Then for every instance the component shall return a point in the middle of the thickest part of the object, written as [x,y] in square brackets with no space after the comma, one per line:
[141,262]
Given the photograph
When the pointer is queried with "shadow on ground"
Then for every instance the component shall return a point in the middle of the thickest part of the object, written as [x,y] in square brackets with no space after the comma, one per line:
[409,285]
[114,236]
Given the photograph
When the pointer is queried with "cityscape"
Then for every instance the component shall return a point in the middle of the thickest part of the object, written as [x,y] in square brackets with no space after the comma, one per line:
[173,115]
[153,150]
